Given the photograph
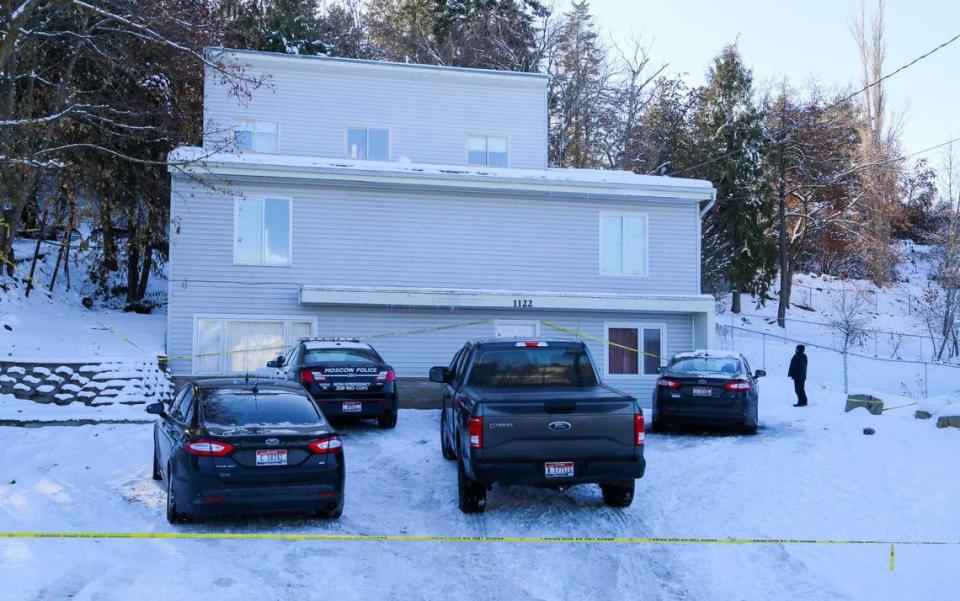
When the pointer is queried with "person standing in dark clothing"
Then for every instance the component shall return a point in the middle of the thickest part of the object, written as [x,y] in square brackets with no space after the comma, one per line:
[798,371]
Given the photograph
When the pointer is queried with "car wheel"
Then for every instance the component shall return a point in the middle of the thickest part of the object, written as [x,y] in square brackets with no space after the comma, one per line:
[157,475]
[447,450]
[388,421]
[173,516]
[473,495]
[331,514]
[618,495]
[658,426]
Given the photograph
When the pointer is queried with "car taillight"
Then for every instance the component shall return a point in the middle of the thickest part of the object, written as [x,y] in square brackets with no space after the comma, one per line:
[308,375]
[737,386]
[668,383]
[208,448]
[331,444]
[476,432]
[638,429]
[386,376]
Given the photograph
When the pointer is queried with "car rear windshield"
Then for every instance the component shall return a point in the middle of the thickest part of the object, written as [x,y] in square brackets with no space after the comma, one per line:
[243,408]
[532,366]
[705,365]
[341,355]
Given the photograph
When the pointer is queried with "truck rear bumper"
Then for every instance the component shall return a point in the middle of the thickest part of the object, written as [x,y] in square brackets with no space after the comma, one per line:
[534,472]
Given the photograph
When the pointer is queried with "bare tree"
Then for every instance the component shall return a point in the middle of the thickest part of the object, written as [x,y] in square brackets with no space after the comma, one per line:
[850,321]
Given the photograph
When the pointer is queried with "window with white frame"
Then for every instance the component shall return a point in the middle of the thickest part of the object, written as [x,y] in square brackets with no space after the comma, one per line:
[238,345]
[262,231]
[623,244]
[490,151]
[256,135]
[634,349]
[368,144]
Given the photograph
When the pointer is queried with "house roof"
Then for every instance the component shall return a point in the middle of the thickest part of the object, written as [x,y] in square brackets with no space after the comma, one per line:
[296,60]
[551,181]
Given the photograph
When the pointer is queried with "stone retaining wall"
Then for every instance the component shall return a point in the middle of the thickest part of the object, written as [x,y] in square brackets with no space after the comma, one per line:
[128,382]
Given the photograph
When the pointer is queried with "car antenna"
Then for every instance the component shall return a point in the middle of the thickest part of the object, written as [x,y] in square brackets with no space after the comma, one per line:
[256,384]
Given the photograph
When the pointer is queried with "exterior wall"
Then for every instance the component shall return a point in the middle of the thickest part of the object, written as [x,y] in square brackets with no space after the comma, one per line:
[363,237]
[411,354]
[428,110]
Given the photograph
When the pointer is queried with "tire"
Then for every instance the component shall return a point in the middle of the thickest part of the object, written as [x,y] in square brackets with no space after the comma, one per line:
[658,426]
[618,495]
[388,421]
[157,475]
[173,516]
[447,450]
[331,514]
[472,495]
[748,429]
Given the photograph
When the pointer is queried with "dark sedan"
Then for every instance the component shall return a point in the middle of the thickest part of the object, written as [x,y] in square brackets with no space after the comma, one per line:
[707,388]
[242,446]
[346,377]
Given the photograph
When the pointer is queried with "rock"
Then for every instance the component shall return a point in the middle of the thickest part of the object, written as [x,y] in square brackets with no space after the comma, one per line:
[64,370]
[921,414]
[8,327]
[868,402]
[31,380]
[948,421]
[40,371]
[869,431]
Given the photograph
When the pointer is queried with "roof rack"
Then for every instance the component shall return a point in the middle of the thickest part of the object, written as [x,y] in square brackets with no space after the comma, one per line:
[329,339]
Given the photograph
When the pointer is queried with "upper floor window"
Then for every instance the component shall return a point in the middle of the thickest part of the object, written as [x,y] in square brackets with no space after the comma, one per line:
[368,144]
[262,231]
[256,135]
[623,244]
[490,151]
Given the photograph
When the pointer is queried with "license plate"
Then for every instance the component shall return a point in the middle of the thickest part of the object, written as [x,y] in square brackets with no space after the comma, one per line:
[702,391]
[272,457]
[558,469]
[352,406]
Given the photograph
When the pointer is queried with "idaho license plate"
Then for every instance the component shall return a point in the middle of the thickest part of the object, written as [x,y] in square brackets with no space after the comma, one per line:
[702,391]
[352,406]
[272,457]
[558,469]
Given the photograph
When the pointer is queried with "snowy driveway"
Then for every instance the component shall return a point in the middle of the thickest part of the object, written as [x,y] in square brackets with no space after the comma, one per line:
[807,475]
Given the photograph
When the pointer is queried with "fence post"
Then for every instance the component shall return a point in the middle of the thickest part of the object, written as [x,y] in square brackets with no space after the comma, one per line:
[926,382]
[764,356]
[876,343]
[846,381]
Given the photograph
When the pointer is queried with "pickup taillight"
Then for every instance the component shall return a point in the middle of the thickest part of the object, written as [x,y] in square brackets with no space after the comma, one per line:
[638,429]
[475,429]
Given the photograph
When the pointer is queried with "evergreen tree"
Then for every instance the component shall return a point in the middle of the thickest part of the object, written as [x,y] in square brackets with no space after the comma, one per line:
[730,125]
[578,89]
[289,26]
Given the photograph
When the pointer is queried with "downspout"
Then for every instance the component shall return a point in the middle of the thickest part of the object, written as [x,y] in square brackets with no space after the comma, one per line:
[710,203]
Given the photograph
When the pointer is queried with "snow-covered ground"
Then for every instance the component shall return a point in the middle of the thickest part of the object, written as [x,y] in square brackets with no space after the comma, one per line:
[55,327]
[809,474]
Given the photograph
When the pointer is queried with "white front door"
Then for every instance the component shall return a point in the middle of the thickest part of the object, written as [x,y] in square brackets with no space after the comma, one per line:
[516,328]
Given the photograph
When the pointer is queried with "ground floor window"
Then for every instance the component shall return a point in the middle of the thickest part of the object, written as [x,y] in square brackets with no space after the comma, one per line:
[244,344]
[634,349]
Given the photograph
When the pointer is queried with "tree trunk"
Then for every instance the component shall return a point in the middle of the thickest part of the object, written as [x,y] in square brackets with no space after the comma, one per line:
[145,273]
[735,306]
[783,246]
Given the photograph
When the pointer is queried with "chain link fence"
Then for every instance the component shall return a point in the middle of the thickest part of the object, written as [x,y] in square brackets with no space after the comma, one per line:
[857,371]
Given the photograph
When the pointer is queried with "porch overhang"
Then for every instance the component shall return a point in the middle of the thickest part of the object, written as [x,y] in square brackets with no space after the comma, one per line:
[466,298]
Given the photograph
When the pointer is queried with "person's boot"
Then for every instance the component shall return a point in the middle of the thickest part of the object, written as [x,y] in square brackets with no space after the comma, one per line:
[799,404]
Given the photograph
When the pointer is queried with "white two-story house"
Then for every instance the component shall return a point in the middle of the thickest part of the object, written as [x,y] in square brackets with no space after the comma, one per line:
[412,206]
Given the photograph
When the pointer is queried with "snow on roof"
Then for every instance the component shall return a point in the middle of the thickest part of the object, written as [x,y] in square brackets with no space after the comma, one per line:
[199,160]
[717,353]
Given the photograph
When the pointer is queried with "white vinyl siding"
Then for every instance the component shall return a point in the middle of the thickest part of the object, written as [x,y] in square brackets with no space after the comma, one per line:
[624,246]
[256,135]
[489,151]
[226,345]
[262,234]
[368,144]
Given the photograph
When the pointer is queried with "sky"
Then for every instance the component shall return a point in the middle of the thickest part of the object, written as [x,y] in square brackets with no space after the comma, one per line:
[808,40]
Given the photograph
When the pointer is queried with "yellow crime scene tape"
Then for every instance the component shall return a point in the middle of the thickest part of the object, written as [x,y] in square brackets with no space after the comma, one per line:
[579,334]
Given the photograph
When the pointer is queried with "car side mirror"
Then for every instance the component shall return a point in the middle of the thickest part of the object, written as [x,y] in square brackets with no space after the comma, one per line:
[156,409]
[278,362]
[760,373]
[439,374]
[661,370]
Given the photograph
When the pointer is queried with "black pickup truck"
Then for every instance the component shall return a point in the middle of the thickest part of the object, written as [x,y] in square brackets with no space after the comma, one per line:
[535,412]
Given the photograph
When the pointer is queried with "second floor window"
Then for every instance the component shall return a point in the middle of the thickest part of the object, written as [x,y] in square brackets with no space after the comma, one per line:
[256,135]
[490,151]
[368,144]
[623,244]
[262,231]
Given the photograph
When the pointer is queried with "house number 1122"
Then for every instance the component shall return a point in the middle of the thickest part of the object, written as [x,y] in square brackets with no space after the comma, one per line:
[522,303]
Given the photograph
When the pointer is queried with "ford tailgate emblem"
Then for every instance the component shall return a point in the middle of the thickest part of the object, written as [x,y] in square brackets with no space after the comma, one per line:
[560,426]
[272,441]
